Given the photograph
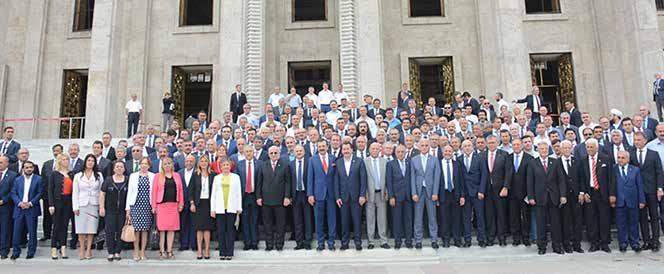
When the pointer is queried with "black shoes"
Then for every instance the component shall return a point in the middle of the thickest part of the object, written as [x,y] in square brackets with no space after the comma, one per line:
[593,248]
[280,248]
[577,249]
[434,245]
[446,244]
[299,247]
[397,246]
[558,251]
[409,245]
[541,251]
[320,248]
[358,247]
[344,247]
[13,257]
[482,244]
[516,242]
[385,246]
[268,248]
[606,248]
[622,249]
[636,249]
[568,249]
[370,246]
[331,248]
[467,244]
[246,247]
[418,246]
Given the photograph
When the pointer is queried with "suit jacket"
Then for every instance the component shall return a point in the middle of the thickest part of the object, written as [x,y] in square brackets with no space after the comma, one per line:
[111,154]
[231,147]
[398,183]
[371,180]
[605,176]
[518,179]
[147,148]
[320,184]
[475,177]
[575,118]
[497,178]
[651,170]
[6,186]
[195,186]
[12,150]
[350,187]
[34,195]
[105,167]
[372,113]
[158,187]
[658,90]
[47,168]
[570,177]
[263,155]
[546,186]
[14,167]
[629,187]
[457,182]
[609,149]
[651,124]
[242,172]
[529,100]
[293,170]
[273,186]
[421,175]
[156,163]
[237,103]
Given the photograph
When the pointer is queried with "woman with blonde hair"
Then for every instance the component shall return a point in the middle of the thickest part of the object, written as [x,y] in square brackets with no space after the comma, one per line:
[59,187]
[85,203]
[199,205]
[225,205]
[139,208]
[167,203]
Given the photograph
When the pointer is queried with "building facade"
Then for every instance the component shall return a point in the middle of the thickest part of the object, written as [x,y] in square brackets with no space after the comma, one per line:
[84,58]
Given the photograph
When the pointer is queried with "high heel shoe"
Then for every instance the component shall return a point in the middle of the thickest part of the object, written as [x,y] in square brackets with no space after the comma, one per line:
[54,254]
[170,256]
[63,253]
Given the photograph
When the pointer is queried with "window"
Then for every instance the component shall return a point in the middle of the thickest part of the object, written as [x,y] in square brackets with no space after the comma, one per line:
[542,6]
[309,10]
[659,4]
[424,8]
[83,12]
[195,12]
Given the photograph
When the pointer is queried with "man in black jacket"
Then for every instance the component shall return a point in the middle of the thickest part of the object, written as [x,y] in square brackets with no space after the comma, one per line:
[572,215]
[519,210]
[451,196]
[650,165]
[273,193]
[238,99]
[496,192]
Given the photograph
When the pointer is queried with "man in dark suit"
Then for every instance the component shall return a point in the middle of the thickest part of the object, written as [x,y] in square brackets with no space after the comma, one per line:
[103,165]
[547,192]
[7,178]
[451,196]
[572,215]
[377,109]
[302,211]
[574,114]
[22,157]
[47,169]
[598,188]
[26,193]
[474,174]
[472,102]
[109,151]
[650,167]
[533,102]
[187,234]
[397,178]
[519,212]
[248,169]
[139,140]
[273,194]
[238,99]
[648,122]
[617,144]
[496,191]
[658,94]
[321,195]
[350,188]
[8,146]
[630,198]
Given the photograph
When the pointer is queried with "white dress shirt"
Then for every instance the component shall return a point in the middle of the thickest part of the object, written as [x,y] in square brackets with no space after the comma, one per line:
[27,181]
[347,163]
[134,106]
[325,97]
[205,188]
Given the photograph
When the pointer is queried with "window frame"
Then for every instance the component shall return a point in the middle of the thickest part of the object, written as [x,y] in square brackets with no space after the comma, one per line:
[325,14]
[442,10]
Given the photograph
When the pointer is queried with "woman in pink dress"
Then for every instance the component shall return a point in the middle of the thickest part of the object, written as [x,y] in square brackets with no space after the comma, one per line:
[167,203]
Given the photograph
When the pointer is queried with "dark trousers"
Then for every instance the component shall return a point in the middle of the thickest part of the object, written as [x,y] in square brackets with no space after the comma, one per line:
[249,220]
[47,221]
[650,220]
[19,225]
[74,238]
[322,209]
[402,221]
[494,212]
[132,123]
[351,212]
[449,213]
[113,227]
[473,204]
[597,214]
[5,221]
[519,219]
[274,222]
[572,221]
[627,222]
[61,217]
[541,213]
[187,235]
[302,218]
[226,233]
[659,103]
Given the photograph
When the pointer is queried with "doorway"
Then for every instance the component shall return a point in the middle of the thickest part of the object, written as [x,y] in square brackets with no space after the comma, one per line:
[72,105]
[553,73]
[191,88]
[302,75]
[432,77]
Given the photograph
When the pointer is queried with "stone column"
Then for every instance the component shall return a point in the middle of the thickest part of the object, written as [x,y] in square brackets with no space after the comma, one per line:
[504,58]
[253,53]
[348,60]
[4,71]
[137,54]
[105,107]
[370,60]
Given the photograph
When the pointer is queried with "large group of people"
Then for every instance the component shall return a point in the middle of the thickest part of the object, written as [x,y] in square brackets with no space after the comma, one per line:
[329,168]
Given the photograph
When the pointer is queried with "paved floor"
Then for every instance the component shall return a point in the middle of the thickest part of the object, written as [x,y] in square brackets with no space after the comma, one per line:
[473,260]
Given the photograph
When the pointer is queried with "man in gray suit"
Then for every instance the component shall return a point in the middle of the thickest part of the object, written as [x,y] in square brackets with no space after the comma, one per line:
[377,194]
[424,184]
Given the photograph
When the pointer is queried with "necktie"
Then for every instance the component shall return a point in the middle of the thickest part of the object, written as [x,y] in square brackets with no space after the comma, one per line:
[449,185]
[624,172]
[424,163]
[274,166]
[516,162]
[433,152]
[640,157]
[403,168]
[72,163]
[491,159]
[376,173]
[300,182]
[569,165]
[324,164]
[544,163]
[467,162]
[5,144]
[1,173]
[537,101]
[249,187]
[594,175]
[135,166]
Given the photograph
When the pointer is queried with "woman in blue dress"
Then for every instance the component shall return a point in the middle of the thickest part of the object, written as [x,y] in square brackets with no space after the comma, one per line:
[139,210]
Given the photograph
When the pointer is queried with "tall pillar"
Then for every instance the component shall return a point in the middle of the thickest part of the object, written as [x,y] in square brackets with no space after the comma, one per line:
[348,57]
[105,107]
[137,54]
[253,65]
[370,60]
[504,57]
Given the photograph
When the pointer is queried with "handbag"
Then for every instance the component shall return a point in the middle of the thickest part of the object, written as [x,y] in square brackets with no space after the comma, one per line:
[128,235]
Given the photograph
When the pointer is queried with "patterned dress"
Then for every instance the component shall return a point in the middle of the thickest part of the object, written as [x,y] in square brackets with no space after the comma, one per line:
[141,211]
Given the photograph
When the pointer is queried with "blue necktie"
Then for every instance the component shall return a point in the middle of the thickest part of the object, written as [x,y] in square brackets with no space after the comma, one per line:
[300,185]
[450,186]
[516,162]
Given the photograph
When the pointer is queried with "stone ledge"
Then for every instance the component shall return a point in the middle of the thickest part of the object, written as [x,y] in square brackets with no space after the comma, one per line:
[545,17]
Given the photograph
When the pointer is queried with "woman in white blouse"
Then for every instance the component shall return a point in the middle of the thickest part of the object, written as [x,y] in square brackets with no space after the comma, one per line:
[225,205]
[138,208]
[199,205]
[85,203]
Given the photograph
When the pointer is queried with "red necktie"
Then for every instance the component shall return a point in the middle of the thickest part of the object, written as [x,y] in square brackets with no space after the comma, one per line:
[594,175]
[249,178]
[274,165]
[546,168]
[324,165]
